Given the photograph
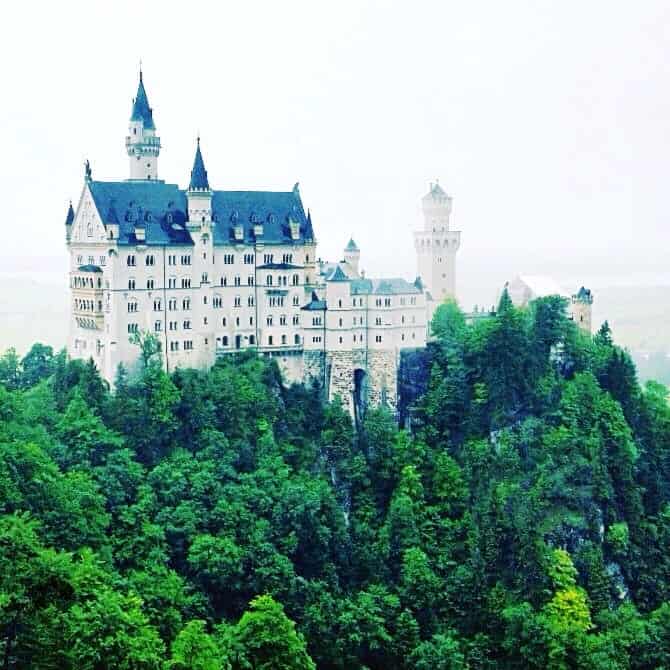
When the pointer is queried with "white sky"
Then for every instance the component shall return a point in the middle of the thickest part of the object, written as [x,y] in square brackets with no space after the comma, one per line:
[548,122]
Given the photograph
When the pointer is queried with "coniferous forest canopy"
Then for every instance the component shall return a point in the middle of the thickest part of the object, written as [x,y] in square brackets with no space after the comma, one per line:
[219,520]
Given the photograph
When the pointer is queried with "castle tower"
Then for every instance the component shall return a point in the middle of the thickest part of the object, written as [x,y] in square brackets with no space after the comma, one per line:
[142,143]
[582,303]
[352,255]
[199,195]
[436,245]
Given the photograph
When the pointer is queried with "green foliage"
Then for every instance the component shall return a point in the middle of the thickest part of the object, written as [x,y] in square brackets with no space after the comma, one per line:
[219,520]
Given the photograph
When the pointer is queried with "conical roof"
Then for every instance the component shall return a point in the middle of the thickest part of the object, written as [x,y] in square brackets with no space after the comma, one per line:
[141,110]
[198,173]
[351,246]
[70,215]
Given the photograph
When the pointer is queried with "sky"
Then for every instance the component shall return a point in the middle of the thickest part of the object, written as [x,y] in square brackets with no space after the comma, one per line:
[547,122]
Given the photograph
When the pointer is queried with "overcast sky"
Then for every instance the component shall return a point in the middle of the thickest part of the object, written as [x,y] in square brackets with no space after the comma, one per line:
[548,122]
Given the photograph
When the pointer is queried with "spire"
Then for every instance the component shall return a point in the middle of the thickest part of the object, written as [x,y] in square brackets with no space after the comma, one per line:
[351,246]
[141,110]
[309,231]
[70,215]
[198,173]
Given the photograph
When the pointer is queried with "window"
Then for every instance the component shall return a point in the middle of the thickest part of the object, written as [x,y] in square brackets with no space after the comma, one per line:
[172,282]
[158,326]
[131,284]
[91,260]
[248,259]
[172,259]
[250,301]
[339,303]
[133,328]
[282,320]
[204,279]
[186,325]
[186,303]
[186,282]
[185,260]
[387,302]
[250,280]
[354,338]
[229,259]
[378,302]
[132,306]
[173,325]
[268,280]
[157,305]
[296,320]
[296,339]
[238,280]
[340,323]
[402,319]
[237,321]
[172,304]
[204,320]
[283,339]
[267,259]
[150,284]
[402,301]
[252,339]
[316,321]
[188,345]
[223,321]
[412,301]
[238,301]
[269,320]
[316,339]
[270,340]
[251,320]
[378,321]
[103,260]
[174,346]
[150,260]
[224,281]
[80,259]
[378,338]
[224,340]
[296,301]
[204,299]
[217,302]
[130,261]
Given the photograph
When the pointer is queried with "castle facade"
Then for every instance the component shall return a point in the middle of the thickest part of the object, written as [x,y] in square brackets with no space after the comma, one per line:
[212,272]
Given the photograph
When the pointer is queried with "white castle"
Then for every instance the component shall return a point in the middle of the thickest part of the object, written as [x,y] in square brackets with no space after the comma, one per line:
[213,272]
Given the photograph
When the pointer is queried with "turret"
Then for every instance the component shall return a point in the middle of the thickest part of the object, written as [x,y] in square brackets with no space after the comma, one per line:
[436,245]
[352,255]
[142,143]
[199,195]
[69,220]
[582,303]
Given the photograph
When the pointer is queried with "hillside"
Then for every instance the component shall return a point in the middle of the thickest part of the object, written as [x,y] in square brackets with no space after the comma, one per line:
[220,520]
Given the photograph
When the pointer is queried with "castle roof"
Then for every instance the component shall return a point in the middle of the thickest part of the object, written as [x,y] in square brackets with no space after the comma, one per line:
[141,110]
[386,286]
[89,268]
[198,173]
[162,209]
[338,275]
[435,191]
[584,295]
[351,246]
[69,218]
[315,304]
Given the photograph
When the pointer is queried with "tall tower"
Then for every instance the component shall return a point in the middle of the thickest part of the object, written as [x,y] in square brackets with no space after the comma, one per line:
[582,303]
[436,245]
[199,195]
[142,143]
[352,255]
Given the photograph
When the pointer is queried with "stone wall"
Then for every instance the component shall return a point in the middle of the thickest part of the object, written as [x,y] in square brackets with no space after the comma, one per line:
[383,379]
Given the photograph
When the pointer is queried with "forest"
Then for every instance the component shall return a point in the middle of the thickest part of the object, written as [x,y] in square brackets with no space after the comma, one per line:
[221,520]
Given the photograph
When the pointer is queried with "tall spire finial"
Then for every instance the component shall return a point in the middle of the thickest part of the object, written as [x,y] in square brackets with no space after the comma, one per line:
[140,69]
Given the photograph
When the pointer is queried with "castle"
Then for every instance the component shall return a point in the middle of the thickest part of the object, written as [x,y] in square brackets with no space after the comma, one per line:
[212,272]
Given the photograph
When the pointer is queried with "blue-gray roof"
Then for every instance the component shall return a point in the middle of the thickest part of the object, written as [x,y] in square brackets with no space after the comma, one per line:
[391,286]
[69,219]
[315,304]
[198,173]
[162,208]
[351,246]
[338,275]
[141,110]
[89,268]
